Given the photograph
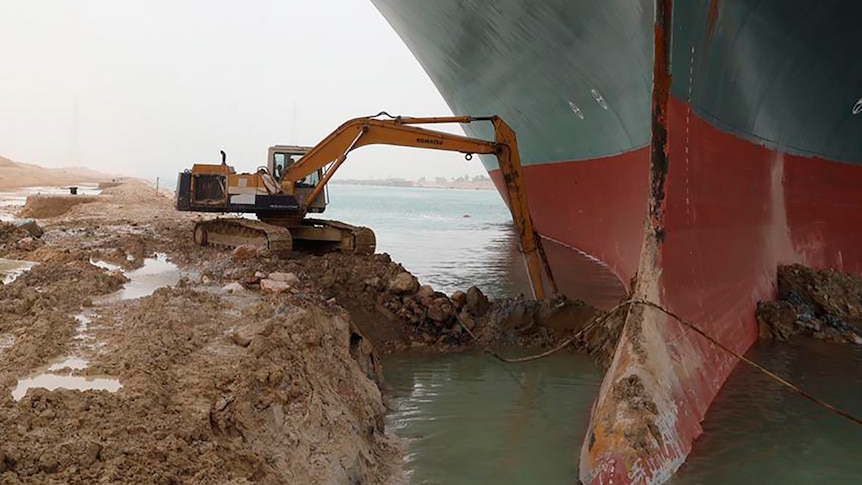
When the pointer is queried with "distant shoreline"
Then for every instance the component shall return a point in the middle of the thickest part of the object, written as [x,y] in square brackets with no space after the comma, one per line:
[17,175]
[482,184]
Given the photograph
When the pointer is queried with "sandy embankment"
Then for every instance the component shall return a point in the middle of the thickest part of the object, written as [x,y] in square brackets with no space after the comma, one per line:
[16,175]
[216,387]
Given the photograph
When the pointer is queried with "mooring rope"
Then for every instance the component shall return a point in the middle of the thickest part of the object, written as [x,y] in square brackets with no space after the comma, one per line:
[597,321]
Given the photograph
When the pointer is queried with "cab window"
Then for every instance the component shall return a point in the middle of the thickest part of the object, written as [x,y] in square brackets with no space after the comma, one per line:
[278,165]
[310,181]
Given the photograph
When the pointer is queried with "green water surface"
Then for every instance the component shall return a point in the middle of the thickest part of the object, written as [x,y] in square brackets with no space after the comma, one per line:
[469,419]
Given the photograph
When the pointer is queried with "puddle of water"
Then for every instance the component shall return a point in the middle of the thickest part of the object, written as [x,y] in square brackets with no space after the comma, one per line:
[74,363]
[84,339]
[83,322]
[53,381]
[156,273]
[47,377]
[11,269]
[105,265]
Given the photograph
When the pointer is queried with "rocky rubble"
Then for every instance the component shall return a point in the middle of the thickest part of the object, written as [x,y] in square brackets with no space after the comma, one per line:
[825,304]
[395,312]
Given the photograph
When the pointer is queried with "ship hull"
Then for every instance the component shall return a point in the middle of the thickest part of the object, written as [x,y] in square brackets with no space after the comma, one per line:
[760,166]
[587,204]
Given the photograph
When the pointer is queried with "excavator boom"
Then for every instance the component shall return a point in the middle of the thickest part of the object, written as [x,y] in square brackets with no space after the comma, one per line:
[402,131]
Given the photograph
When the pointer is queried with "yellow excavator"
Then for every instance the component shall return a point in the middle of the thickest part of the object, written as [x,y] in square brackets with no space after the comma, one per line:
[293,184]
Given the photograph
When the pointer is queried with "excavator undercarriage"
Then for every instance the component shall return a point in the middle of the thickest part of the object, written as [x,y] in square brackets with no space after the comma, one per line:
[311,235]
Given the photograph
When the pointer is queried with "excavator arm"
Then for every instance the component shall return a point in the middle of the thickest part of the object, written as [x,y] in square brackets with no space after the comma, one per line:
[402,131]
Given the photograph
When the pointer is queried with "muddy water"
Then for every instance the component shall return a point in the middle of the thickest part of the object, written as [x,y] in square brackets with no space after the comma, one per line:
[470,419]
[156,273]
[454,239]
[469,422]
[758,432]
[54,381]
[11,269]
[59,375]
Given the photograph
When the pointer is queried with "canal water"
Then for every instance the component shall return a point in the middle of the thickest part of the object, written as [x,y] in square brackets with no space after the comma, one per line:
[453,239]
[469,419]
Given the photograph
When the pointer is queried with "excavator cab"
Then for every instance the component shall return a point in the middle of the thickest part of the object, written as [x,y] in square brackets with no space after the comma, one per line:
[280,158]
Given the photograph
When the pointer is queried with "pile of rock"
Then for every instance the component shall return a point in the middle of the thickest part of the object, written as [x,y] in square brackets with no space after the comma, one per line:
[380,293]
[824,304]
[272,283]
[431,313]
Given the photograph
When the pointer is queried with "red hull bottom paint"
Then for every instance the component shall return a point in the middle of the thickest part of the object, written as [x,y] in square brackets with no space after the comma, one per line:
[734,211]
[597,206]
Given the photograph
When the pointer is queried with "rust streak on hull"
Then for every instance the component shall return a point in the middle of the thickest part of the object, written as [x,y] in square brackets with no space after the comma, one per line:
[633,436]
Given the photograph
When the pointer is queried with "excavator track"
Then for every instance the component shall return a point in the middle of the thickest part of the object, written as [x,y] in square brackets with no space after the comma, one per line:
[314,235]
[353,239]
[233,232]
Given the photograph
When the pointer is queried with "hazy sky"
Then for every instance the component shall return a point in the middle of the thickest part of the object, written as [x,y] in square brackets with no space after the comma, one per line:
[147,88]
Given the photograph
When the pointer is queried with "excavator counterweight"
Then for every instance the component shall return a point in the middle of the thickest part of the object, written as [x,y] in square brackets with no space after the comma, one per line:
[293,183]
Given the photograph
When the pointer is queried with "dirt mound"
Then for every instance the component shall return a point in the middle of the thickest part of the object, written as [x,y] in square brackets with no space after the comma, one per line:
[10,235]
[216,389]
[824,304]
[113,183]
[42,206]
